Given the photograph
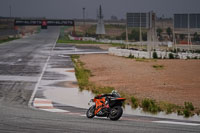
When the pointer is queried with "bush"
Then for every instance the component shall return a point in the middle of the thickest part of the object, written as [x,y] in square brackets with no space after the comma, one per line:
[158,67]
[131,56]
[155,56]
[134,35]
[187,109]
[186,113]
[175,51]
[169,109]
[134,102]
[171,56]
[189,106]
[179,112]
[198,112]
[150,105]
[197,51]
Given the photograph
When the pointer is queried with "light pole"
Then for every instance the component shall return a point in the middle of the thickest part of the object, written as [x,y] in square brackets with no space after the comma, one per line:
[188,30]
[174,36]
[127,33]
[10,10]
[84,16]
[141,29]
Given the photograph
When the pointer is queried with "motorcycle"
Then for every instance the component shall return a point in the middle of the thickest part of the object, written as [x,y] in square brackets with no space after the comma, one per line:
[106,105]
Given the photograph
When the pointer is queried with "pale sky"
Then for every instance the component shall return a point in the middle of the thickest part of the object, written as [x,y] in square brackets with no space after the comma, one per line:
[69,9]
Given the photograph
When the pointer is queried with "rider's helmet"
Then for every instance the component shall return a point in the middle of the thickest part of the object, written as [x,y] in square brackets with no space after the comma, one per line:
[115,93]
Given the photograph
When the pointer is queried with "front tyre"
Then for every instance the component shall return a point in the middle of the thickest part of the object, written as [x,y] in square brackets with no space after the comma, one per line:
[115,113]
[90,112]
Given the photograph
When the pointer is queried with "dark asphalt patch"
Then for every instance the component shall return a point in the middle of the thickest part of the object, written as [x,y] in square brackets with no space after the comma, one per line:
[52,76]
[12,91]
[20,70]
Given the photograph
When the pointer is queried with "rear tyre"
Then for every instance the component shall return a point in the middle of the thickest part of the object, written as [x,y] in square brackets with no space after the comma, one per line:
[115,113]
[90,112]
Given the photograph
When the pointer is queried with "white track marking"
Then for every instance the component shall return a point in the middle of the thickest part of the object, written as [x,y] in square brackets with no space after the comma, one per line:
[46,105]
[41,99]
[40,78]
[42,105]
[63,56]
[88,53]
[37,84]
[19,60]
[55,110]
[177,123]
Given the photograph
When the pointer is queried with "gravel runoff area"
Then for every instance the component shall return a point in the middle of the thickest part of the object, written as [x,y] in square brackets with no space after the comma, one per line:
[178,81]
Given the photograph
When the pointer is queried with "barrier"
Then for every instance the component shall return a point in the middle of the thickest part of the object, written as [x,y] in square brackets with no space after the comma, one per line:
[149,55]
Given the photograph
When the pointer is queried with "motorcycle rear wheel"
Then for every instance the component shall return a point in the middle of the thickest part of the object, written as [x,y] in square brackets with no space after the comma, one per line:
[115,113]
[90,112]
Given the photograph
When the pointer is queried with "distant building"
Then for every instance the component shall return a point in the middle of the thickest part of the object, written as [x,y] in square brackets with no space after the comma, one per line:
[6,23]
[164,23]
[114,18]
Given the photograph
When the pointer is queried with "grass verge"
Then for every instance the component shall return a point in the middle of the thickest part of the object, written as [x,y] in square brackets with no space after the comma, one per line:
[63,38]
[88,42]
[83,75]
[77,41]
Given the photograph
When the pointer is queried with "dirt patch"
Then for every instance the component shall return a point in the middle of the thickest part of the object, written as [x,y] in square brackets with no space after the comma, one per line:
[177,82]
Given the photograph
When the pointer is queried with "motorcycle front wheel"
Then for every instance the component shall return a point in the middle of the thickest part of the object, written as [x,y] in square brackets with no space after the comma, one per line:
[115,113]
[90,112]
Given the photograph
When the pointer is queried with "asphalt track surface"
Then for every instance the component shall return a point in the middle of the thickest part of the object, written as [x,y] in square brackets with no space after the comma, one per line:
[21,65]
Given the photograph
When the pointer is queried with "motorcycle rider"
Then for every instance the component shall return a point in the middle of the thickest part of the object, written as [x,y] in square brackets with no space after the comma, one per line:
[106,105]
[114,93]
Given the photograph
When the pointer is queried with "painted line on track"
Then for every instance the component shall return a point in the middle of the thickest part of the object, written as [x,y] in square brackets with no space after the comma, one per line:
[47,105]
[40,78]
[177,123]
[82,53]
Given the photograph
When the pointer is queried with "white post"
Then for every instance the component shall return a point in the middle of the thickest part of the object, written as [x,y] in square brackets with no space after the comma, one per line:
[141,29]
[154,30]
[126,34]
[174,37]
[188,30]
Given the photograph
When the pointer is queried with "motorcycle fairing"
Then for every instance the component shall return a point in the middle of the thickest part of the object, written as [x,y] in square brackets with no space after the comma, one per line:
[99,104]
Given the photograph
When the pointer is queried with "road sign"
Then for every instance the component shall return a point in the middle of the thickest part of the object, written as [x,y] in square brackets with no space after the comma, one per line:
[180,20]
[194,20]
[60,22]
[27,22]
[143,20]
[48,22]
[134,19]
[186,20]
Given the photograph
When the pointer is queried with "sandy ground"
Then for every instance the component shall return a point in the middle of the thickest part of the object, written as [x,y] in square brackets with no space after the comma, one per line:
[177,82]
